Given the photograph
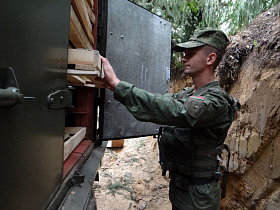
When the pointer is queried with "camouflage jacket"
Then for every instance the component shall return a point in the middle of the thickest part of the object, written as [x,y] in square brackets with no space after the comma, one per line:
[207,109]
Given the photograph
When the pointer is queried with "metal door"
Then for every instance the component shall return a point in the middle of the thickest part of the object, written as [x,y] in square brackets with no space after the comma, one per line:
[138,48]
[34,43]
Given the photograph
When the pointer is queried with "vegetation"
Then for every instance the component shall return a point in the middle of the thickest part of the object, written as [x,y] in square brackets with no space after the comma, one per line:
[186,15]
[121,184]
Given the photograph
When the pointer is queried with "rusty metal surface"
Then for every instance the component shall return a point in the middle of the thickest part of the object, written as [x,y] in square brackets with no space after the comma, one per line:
[138,48]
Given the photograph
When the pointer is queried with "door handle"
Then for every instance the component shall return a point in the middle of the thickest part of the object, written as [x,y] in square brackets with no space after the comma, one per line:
[9,90]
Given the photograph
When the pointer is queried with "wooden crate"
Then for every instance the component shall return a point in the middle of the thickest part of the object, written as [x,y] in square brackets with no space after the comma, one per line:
[87,66]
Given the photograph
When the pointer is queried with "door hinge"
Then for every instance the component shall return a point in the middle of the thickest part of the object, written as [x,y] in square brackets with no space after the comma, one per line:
[60,99]
[167,75]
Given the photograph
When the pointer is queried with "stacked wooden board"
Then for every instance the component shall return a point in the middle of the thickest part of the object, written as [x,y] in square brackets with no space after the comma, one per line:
[82,22]
[85,63]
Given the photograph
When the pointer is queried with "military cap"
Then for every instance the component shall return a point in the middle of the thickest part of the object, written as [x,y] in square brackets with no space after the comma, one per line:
[205,36]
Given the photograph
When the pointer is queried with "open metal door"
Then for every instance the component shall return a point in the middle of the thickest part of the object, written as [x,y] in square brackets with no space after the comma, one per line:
[33,59]
[138,48]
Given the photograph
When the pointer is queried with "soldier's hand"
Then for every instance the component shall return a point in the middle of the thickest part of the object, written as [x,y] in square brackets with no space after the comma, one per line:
[110,81]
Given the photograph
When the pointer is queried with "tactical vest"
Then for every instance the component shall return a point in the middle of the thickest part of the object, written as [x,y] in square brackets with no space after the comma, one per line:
[188,154]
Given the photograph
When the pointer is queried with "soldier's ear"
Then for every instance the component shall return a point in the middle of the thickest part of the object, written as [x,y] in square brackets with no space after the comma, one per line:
[211,58]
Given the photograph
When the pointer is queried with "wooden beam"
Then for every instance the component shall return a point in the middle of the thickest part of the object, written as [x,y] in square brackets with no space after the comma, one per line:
[90,3]
[78,134]
[76,34]
[90,13]
[81,11]
[84,78]
[83,73]
[86,67]
[75,79]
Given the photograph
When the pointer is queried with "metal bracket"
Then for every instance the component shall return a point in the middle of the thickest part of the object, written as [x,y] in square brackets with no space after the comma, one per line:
[59,99]
[167,75]
[77,179]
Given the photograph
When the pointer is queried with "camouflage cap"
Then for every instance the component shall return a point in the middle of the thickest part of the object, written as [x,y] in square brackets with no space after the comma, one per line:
[205,36]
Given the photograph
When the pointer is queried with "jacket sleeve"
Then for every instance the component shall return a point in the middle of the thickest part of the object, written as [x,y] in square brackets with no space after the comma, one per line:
[166,109]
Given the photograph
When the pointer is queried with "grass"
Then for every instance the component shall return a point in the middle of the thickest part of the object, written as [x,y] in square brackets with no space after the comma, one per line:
[142,142]
[122,183]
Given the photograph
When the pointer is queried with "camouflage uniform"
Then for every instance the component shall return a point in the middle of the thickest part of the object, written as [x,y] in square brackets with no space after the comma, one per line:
[206,111]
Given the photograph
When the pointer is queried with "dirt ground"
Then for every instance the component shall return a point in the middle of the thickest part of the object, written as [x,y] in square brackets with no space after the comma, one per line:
[130,178]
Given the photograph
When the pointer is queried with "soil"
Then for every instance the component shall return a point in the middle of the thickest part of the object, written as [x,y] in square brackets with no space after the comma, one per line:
[130,178]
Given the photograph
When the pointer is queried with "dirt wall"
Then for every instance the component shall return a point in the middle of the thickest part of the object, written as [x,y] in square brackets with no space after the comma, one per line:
[250,71]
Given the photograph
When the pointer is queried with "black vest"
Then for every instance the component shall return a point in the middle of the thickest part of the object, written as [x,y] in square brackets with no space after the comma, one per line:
[186,153]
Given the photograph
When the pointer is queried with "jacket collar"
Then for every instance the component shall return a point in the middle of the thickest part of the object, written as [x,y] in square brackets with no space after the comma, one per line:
[206,87]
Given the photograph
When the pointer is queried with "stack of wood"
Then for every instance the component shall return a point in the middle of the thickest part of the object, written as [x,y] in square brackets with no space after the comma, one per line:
[82,21]
[84,63]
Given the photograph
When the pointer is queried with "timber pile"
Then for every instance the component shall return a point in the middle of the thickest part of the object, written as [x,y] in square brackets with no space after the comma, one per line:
[84,63]
[82,21]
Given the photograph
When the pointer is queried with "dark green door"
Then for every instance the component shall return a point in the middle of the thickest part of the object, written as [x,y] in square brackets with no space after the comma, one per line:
[34,43]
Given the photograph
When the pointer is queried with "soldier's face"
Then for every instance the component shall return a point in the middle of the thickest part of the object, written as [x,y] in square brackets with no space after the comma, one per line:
[194,60]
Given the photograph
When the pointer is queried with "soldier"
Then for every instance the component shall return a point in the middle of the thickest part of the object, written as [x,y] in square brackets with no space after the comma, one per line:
[196,121]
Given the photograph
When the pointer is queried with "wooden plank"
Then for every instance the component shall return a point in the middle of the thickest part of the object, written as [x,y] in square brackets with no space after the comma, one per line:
[85,81]
[90,13]
[75,79]
[76,34]
[90,3]
[85,57]
[78,135]
[87,76]
[84,85]
[81,11]
[86,67]
[83,73]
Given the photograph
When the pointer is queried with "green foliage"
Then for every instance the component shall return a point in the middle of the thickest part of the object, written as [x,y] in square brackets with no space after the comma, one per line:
[189,14]
[186,15]
[237,14]
[122,183]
